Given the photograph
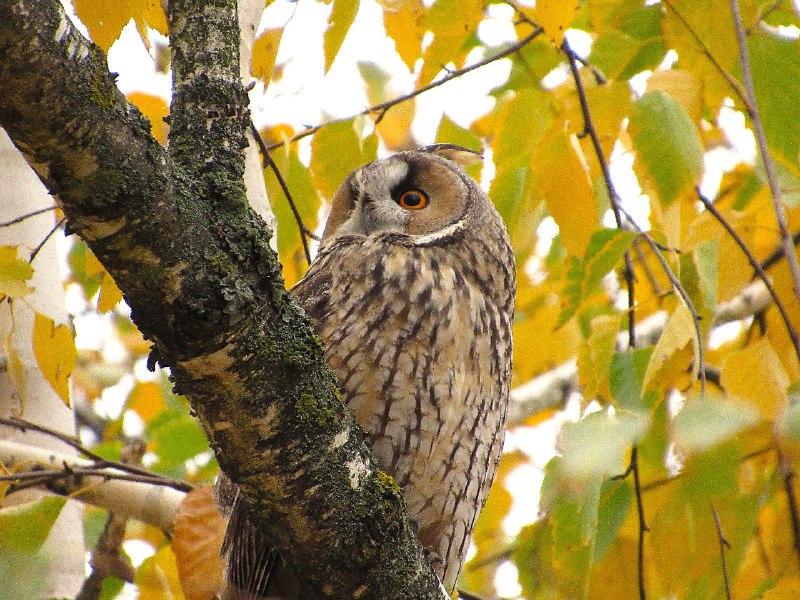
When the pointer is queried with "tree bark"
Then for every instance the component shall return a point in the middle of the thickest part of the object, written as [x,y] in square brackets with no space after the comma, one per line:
[193,260]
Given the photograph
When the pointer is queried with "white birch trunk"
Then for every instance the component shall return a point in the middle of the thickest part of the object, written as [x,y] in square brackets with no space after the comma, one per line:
[21,192]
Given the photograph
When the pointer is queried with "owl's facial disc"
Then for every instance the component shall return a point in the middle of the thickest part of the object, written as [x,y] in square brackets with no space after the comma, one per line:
[412,193]
[375,209]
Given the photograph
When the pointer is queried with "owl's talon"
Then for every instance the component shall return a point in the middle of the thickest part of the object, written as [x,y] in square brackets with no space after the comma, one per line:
[434,558]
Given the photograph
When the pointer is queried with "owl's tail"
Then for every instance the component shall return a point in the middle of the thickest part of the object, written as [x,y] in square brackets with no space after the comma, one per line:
[255,570]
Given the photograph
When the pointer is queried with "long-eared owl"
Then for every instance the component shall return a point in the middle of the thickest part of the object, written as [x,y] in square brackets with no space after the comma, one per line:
[412,293]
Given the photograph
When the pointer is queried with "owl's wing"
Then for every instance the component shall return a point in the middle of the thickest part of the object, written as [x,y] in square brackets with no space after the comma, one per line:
[313,292]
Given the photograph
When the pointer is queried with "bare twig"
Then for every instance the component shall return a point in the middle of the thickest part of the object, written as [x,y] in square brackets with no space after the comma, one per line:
[26,216]
[268,162]
[589,128]
[47,237]
[773,258]
[723,543]
[642,523]
[756,267]
[791,497]
[383,106]
[99,461]
[761,139]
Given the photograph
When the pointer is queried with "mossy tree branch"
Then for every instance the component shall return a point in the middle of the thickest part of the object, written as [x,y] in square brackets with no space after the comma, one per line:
[175,231]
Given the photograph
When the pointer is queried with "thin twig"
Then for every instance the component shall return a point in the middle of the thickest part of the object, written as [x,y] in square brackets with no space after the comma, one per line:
[701,360]
[737,87]
[589,128]
[268,162]
[50,476]
[723,543]
[47,237]
[642,523]
[28,216]
[791,497]
[619,212]
[766,157]
[756,267]
[383,106]
[637,248]
[773,258]
[24,425]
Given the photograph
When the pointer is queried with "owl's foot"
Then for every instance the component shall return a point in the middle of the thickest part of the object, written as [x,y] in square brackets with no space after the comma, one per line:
[434,558]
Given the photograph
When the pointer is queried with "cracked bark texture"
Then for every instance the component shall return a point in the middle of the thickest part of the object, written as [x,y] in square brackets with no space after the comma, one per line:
[174,229]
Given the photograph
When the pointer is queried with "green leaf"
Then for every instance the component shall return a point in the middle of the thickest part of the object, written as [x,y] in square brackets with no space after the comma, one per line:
[177,441]
[627,377]
[706,422]
[605,251]
[615,502]
[667,143]
[608,435]
[341,18]
[706,259]
[25,527]
[776,77]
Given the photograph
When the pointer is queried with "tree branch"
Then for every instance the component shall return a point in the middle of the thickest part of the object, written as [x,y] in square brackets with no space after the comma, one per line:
[193,260]
[384,106]
[107,488]
[763,148]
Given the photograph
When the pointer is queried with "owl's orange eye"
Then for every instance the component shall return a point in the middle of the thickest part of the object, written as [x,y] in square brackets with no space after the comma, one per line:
[413,199]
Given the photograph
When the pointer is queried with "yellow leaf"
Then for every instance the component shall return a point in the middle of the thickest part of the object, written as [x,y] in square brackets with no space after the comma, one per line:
[158,578]
[110,294]
[682,86]
[556,161]
[155,109]
[265,49]
[755,374]
[14,272]
[451,22]
[104,20]
[404,25]
[54,348]
[532,356]
[679,331]
[15,368]
[787,589]
[199,530]
[554,16]
[339,21]
[146,399]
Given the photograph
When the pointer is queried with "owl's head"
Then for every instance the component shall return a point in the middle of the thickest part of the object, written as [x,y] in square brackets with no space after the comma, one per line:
[423,192]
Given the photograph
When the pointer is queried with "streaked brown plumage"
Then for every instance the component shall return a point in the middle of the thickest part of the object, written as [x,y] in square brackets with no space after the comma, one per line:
[413,296]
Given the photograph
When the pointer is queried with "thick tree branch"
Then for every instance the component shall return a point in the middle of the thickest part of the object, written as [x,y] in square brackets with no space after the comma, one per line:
[194,263]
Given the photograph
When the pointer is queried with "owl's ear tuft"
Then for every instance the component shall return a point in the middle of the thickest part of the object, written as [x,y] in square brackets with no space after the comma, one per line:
[464,157]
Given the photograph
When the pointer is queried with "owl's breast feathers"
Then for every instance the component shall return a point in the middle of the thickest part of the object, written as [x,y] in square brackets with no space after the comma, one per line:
[419,337]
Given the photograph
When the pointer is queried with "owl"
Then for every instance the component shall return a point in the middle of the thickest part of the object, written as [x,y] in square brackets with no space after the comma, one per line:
[412,293]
